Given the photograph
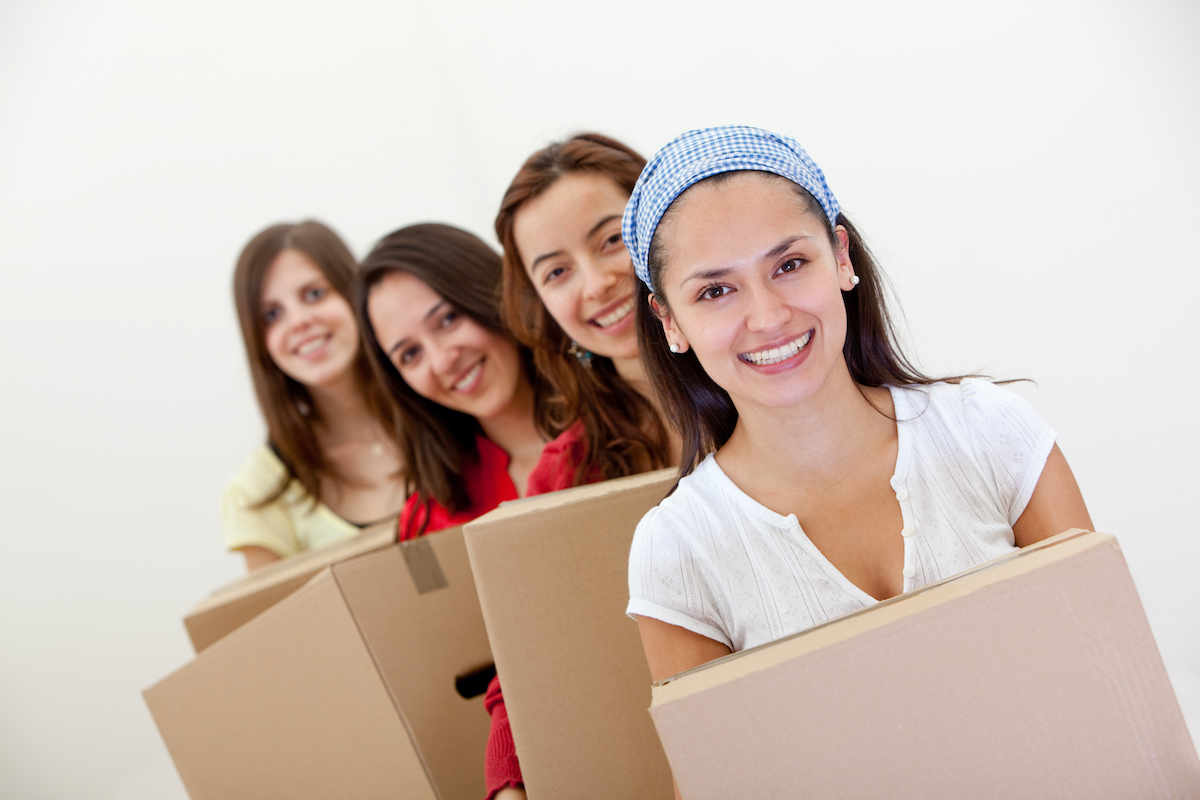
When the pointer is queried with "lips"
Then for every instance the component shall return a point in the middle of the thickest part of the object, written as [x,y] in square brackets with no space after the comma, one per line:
[776,355]
[469,379]
[311,345]
[614,316]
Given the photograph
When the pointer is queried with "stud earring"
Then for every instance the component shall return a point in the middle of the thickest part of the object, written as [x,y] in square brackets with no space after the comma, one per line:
[674,348]
[583,355]
[854,280]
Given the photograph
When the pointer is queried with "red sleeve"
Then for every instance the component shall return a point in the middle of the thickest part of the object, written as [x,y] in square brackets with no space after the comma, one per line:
[500,768]
[559,462]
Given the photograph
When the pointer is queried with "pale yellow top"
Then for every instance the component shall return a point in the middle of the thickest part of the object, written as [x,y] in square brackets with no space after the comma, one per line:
[289,525]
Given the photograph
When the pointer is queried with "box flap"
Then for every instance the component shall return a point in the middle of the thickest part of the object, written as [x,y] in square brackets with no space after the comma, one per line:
[236,603]
[417,610]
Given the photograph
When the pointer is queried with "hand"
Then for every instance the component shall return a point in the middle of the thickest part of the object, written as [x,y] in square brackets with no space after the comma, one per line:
[511,793]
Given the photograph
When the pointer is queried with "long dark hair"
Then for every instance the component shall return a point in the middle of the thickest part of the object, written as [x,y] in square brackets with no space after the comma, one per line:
[702,411]
[286,404]
[624,432]
[438,442]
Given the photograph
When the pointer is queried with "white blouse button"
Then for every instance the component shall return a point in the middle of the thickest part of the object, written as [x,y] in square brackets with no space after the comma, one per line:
[907,531]
[902,494]
[909,572]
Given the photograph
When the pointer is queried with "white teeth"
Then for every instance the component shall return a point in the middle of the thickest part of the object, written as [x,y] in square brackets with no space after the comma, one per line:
[777,354]
[311,345]
[616,316]
[465,381]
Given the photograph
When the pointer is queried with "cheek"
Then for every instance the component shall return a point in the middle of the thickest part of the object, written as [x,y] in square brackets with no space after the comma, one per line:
[563,306]
[273,341]
[420,381]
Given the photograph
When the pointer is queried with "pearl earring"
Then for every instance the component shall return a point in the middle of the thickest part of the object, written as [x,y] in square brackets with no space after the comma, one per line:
[674,348]
[854,280]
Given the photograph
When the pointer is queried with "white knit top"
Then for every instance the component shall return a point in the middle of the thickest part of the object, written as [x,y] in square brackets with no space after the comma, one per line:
[713,560]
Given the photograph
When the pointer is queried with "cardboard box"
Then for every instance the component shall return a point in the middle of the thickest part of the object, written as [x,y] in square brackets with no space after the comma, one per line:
[552,574]
[1033,676]
[235,604]
[351,687]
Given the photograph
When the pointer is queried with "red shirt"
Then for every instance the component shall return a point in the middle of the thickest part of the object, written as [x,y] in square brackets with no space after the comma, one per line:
[488,485]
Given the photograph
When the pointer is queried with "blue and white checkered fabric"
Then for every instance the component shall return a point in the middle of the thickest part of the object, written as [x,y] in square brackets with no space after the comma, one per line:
[699,154]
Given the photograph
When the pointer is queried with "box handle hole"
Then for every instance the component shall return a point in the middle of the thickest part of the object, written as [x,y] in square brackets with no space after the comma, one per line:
[475,682]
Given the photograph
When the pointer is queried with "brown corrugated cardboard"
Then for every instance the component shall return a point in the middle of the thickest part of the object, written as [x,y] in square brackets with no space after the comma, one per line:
[552,578]
[346,688]
[1035,675]
[235,604]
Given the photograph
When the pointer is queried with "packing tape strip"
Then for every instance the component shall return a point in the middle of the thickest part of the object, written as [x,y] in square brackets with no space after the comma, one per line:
[423,565]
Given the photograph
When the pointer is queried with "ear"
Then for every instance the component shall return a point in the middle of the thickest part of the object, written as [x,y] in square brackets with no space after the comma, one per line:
[845,268]
[674,335]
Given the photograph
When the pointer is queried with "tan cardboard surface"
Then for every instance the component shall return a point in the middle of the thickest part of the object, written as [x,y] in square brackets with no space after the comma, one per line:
[395,618]
[346,688]
[237,603]
[1037,677]
[290,706]
[552,578]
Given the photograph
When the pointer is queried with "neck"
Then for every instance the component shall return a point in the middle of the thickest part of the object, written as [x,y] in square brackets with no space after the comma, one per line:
[834,430]
[633,373]
[343,411]
[514,428]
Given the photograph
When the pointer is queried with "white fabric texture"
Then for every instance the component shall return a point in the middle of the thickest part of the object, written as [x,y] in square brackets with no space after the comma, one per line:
[713,560]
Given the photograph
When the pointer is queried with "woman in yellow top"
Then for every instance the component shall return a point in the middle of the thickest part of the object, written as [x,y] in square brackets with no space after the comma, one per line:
[330,465]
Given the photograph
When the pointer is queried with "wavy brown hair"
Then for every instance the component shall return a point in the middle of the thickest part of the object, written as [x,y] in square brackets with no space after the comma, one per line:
[624,432]
[465,271]
[286,404]
[702,411]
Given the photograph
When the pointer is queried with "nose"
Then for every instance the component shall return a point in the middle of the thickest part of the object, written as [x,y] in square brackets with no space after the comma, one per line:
[767,311]
[599,279]
[298,316]
[443,356]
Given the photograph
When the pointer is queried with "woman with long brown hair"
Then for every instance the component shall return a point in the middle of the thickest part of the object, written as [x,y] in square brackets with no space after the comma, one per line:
[331,464]
[568,295]
[822,471]
[474,409]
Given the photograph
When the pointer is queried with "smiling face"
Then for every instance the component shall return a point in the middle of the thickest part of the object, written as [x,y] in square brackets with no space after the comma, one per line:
[569,239]
[309,328]
[444,355]
[754,287]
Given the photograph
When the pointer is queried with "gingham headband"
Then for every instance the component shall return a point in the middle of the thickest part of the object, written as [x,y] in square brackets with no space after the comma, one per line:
[700,154]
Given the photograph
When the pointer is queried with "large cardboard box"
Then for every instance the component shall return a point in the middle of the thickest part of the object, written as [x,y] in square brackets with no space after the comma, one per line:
[235,604]
[552,574]
[1034,676]
[365,683]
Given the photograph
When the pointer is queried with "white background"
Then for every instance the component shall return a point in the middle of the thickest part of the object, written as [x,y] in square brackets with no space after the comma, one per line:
[1027,172]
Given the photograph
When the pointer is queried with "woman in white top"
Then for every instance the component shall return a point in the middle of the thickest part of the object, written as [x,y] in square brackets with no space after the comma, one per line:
[331,464]
[821,471]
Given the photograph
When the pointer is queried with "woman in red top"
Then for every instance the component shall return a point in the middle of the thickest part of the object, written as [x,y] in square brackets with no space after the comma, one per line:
[474,411]
[568,295]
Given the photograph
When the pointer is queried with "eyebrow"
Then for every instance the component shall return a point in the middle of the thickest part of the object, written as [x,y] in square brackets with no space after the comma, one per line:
[720,272]
[589,235]
[431,312]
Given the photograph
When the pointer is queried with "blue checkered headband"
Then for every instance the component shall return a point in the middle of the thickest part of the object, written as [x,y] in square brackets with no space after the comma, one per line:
[700,154]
